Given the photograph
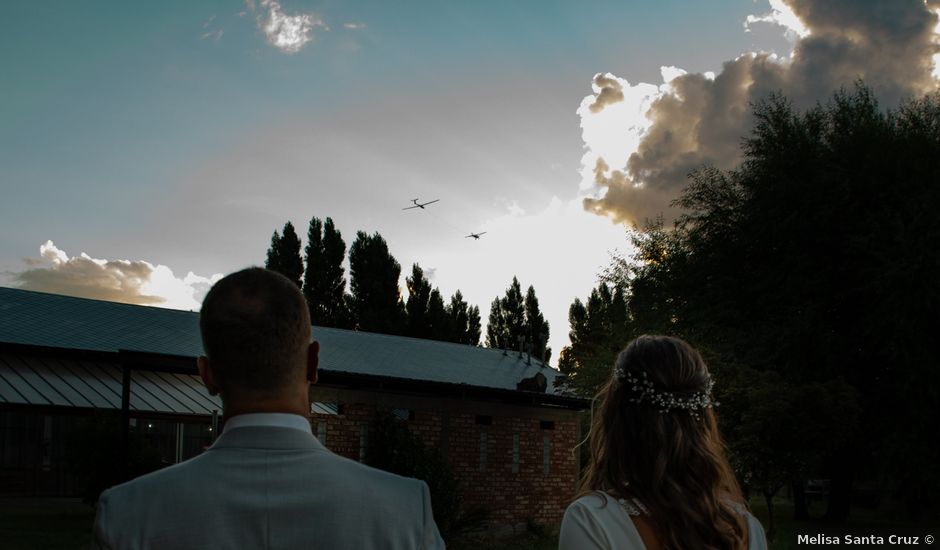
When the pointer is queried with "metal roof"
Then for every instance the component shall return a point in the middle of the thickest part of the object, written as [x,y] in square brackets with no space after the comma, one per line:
[27,379]
[65,322]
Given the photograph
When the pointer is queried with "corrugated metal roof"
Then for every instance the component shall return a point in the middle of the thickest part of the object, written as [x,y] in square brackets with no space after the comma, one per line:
[51,320]
[33,380]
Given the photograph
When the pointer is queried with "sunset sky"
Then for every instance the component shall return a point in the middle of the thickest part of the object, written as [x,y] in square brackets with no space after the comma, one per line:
[166,141]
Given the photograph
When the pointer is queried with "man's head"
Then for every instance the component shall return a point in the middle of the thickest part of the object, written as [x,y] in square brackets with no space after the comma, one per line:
[256,334]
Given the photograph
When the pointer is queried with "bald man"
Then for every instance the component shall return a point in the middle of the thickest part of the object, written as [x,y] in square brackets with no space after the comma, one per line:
[266,482]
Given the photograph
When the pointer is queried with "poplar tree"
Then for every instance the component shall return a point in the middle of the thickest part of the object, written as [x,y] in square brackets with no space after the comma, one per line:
[416,307]
[284,255]
[375,299]
[324,278]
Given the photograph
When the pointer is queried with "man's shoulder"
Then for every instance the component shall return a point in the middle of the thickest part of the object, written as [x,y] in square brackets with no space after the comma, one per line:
[158,480]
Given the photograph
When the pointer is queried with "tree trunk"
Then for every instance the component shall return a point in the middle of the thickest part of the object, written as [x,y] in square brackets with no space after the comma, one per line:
[800,504]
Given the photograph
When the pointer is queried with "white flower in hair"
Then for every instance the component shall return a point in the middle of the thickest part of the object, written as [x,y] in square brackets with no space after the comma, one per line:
[666,401]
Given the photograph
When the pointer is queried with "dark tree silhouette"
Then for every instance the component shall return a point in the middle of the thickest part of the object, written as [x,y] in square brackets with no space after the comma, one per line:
[284,255]
[324,277]
[375,299]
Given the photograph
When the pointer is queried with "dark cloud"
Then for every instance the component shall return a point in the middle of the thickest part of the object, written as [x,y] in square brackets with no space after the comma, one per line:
[888,44]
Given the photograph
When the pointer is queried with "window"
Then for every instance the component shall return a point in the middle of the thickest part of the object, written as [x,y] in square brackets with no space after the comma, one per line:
[515,453]
[482,451]
[484,420]
[547,425]
[321,431]
[403,414]
[318,407]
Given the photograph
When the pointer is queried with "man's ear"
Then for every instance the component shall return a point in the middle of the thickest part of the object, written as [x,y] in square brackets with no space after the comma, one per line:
[313,361]
[205,372]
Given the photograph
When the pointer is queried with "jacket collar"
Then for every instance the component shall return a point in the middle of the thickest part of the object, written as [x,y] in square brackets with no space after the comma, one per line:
[267,437]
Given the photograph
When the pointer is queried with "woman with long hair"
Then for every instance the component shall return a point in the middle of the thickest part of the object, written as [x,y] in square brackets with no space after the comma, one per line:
[658,477]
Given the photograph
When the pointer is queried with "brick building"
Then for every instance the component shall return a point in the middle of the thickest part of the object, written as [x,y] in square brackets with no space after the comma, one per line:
[495,415]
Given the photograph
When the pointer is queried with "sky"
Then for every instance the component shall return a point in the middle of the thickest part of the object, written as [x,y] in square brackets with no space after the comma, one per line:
[146,149]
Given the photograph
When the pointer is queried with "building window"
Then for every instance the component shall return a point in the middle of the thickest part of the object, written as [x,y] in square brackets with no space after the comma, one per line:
[547,425]
[515,453]
[363,441]
[403,414]
[546,453]
[482,451]
[318,407]
[321,432]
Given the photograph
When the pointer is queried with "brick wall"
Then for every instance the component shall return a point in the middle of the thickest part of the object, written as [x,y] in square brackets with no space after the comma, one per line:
[497,451]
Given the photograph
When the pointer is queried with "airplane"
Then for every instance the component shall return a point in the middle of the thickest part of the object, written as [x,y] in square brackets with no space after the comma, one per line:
[419,204]
[475,235]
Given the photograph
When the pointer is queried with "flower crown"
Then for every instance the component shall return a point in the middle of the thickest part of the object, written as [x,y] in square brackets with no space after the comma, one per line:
[667,401]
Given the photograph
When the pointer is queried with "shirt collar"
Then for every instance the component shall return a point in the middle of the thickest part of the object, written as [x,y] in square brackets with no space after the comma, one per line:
[269,420]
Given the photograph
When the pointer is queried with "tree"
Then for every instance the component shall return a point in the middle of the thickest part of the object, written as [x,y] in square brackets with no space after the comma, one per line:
[419,293]
[507,327]
[472,334]
[778,266]
[464,321]
[537,330]
[375,299]
[438,319]
[599,330]
[284,255]
[324,278]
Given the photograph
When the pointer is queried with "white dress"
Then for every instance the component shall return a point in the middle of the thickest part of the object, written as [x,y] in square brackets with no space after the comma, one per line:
[600,521]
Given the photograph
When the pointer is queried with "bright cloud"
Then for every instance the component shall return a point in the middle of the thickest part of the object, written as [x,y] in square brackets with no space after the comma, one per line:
[288,33]
[133,282]
[642,141]
[782,15]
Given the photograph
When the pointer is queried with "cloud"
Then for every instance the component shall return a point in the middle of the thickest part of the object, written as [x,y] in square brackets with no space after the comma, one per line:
[288,33]
[640,149]
[781,15]
[213,35]
[132,282]
[354,26]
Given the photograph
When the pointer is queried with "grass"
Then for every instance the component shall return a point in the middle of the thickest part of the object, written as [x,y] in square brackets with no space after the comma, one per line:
[47,523]
[60,523]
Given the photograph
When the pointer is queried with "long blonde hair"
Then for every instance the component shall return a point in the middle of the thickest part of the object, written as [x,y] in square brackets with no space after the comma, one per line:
[673,462]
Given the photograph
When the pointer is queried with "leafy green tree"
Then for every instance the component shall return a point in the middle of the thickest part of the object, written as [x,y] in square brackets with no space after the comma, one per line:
[599,330]
[812,260]
[284,255]
[325,277]
[375,300]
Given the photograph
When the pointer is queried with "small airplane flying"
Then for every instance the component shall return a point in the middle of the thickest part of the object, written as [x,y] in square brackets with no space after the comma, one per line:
[420,204]
[475,235]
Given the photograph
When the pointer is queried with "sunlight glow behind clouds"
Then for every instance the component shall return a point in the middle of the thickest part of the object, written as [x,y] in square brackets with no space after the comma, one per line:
[781,14]
[133,282]
[558,249]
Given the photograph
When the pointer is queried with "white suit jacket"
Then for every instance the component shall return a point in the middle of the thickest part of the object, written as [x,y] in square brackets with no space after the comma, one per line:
[267,488]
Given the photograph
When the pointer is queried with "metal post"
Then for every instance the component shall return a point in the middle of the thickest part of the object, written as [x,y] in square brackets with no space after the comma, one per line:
[215,424]
[125,421]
